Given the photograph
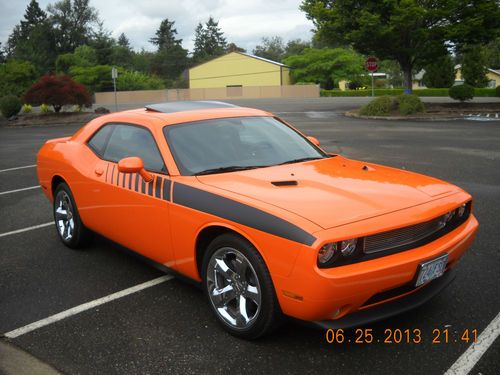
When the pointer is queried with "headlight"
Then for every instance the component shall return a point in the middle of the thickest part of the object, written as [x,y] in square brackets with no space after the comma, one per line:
[330,252]
[461,210]
[327,253]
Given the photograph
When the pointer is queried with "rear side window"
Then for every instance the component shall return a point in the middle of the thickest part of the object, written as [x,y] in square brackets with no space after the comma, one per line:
[100,139]
[128,140]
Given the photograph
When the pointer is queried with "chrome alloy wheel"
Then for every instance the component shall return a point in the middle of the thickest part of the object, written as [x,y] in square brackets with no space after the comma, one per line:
[233,288]
[64,216]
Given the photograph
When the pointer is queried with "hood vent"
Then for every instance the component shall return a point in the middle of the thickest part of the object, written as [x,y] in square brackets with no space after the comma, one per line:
[285,183]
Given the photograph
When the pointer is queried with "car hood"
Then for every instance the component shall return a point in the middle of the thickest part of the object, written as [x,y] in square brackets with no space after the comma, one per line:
[334,191]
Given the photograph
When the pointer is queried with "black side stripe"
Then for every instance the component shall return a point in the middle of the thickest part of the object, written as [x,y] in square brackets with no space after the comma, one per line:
[166,189]
[158,187]
[150,187]
[239,213]
[136,182]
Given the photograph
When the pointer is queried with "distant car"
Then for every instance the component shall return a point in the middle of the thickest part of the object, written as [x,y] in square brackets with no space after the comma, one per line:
[268,222]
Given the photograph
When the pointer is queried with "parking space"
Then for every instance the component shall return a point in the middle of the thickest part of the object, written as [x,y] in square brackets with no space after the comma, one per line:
[168,327]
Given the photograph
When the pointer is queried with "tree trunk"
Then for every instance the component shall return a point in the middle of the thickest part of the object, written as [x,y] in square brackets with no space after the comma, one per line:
[406,68]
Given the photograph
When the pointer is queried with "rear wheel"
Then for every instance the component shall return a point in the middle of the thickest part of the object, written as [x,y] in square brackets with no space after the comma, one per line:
[69,227]
[239,287]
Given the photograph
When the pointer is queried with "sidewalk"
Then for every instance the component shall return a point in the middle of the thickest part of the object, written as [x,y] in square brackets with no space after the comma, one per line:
[15,361]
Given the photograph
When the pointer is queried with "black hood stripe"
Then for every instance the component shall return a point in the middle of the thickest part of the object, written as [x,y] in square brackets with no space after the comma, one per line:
[237,212]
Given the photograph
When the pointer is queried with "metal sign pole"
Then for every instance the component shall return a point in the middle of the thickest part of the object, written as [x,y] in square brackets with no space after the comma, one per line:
[373,88]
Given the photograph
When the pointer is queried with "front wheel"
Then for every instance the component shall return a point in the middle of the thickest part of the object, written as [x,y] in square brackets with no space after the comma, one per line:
[69,227]
[239,287]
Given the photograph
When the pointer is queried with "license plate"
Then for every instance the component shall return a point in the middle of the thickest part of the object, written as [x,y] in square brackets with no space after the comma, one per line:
[431,269]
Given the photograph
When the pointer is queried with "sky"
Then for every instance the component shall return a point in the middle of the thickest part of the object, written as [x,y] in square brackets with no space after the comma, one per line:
[243,22]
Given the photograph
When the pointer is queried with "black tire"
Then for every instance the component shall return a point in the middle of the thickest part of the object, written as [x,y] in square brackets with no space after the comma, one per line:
[78,236]
[262,313]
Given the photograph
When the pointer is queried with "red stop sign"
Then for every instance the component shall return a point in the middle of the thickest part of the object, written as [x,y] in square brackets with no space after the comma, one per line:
[371,64]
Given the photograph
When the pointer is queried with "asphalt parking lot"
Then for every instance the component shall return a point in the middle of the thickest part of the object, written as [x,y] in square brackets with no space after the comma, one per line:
[168,327]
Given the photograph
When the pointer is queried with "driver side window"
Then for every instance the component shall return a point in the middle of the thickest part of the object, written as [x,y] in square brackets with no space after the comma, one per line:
[122,141]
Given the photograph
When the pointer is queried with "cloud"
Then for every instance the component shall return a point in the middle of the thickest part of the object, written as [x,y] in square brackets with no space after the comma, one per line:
[243,22]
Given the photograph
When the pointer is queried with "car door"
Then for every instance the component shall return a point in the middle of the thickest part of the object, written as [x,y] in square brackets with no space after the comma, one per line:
[126,208]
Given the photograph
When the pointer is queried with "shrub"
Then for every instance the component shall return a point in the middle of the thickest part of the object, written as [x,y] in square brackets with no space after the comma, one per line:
[462,92]
[10,105]
[409,104]
[98,79]
[16,77]
[26,108]
[380,106]
[58,91]
[497,90]
[44,108]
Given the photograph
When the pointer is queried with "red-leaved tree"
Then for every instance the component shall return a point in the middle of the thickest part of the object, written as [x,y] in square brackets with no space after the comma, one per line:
[57,91]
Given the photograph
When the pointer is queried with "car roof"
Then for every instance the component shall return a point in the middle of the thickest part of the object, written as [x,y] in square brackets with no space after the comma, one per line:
[178,112]
[182,106]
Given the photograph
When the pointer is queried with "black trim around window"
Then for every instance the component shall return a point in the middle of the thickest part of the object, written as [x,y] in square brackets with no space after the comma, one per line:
[114,124]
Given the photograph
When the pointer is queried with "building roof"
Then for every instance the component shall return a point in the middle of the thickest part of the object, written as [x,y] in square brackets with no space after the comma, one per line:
[183,106]
[262,59]
[244,54]
[494,71]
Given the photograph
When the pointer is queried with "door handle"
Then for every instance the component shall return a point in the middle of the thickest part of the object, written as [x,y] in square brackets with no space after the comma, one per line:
[99,171]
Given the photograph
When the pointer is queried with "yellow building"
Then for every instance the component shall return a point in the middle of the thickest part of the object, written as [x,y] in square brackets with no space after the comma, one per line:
[238,69]
[492,75]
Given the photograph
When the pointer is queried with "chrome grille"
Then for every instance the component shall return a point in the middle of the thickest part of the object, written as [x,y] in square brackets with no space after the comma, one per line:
[402,236]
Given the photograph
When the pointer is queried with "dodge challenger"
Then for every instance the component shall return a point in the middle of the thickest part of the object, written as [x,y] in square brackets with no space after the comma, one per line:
[258,214]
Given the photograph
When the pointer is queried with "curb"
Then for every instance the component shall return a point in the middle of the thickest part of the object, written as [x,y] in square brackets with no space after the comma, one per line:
[14,361]
[400,118]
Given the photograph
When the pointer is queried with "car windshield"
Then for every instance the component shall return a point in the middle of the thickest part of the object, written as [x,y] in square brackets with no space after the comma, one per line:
[230,144]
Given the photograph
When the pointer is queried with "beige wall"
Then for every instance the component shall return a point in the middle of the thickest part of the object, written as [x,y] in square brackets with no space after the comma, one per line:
[220,93]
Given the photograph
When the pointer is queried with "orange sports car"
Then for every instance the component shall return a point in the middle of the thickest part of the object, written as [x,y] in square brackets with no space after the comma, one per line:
[268,222]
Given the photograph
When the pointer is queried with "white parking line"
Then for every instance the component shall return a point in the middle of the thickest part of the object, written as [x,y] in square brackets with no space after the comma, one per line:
[86,306]
[13,169]
[22,189]
[26,229]
[468,360]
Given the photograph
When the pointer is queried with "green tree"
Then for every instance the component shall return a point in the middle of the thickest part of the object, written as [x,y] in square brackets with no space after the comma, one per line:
[491,53]
[296,47]
[271,48]
[142,60]
[232,47]
[103,44]
[16,77]
[73,22]
[123,41]
[209,41]
[171,58]
[83,56]
[33,39]
[2,54]
[474,67]
[326,66]
[440,73]
[412,32]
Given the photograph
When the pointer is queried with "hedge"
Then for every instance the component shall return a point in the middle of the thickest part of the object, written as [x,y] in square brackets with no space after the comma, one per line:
[394,92]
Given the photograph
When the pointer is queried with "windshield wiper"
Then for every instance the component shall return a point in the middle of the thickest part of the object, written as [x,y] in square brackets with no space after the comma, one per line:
[232,168]
[301,159]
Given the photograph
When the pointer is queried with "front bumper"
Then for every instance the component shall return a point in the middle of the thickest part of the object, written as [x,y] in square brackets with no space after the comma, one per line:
[314,294]
[391,308]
